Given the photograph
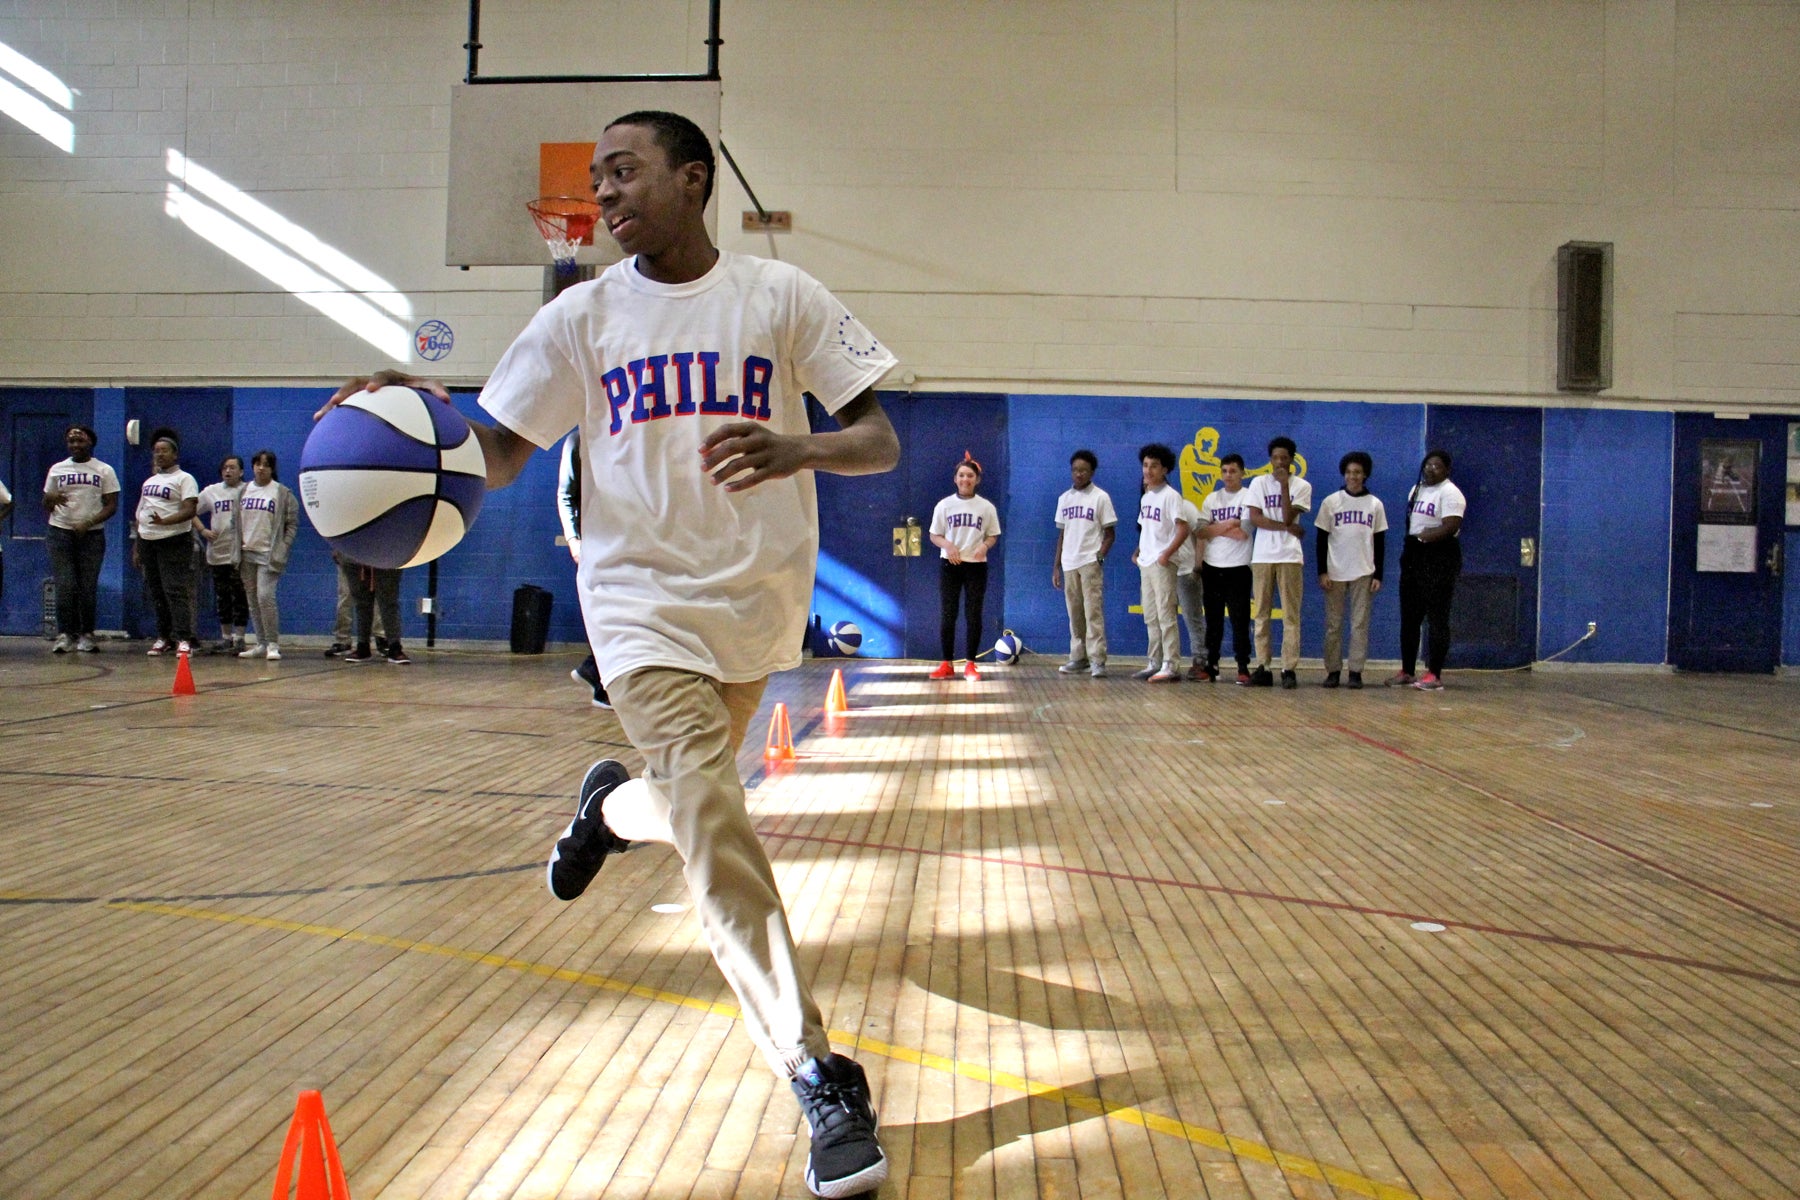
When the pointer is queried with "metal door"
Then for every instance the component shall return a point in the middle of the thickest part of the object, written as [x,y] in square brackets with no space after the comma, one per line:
[1726,543]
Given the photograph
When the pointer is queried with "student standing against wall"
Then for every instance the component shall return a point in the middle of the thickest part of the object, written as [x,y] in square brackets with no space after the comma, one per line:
[1350,545]
[964,527]
[1162,528]
[268,520]
[1225,569]
[81,494]
[1278,560]
[1430,562]
[164,549]
[218,504]
[1085,525]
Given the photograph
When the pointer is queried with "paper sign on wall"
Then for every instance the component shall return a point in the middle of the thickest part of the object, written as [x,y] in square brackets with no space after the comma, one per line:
[1727,548]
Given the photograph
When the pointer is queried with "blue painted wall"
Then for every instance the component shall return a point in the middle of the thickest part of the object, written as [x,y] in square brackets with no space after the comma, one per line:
[1606,560]
[1045,430]
[1587,453]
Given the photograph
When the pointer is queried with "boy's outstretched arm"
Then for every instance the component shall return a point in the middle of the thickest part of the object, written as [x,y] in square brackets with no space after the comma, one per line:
[505,451]
[746,453]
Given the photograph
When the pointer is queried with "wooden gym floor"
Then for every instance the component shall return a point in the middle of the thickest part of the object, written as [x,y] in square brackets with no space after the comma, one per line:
[1090,938]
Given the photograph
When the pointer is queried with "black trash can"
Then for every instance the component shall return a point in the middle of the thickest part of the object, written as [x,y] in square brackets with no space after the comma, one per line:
[531,619]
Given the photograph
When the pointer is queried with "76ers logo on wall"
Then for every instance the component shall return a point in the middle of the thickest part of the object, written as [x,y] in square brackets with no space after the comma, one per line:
[433,340]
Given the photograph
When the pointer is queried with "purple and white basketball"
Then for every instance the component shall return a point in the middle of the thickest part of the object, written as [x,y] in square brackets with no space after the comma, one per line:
[392,478]
[1008,648]
[846,637]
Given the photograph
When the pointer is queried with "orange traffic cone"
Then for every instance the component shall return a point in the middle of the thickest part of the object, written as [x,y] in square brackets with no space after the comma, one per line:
[778,746]
[836,703]
[184,677]
[321,1174]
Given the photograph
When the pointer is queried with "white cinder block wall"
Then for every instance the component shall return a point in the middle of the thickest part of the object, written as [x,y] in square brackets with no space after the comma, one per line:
[1245,197]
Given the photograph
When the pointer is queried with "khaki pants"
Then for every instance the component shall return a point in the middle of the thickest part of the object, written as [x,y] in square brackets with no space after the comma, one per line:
[1289,578]
[1159,611]
[1084,591]
[1358,593]
[1193,613]
[688,728]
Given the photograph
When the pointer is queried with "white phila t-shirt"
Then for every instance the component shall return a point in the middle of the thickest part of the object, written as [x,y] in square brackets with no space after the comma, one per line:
[162,496]
[219,502]
[1225,506]
[675,571]
[1084,516]
[256,516]
[1276,545]
[1350,523]
[85,486]
[965,524]
[1428,506]
[1157,513]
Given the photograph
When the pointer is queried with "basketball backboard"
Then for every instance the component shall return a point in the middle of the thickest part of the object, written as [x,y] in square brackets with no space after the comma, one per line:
[497,135]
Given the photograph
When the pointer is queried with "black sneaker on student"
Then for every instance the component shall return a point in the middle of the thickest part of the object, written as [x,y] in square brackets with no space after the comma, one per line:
[1288,680]
[846,1160]
[359,655]
[395,656]
[1356,682]
[1331,680]
[589,673]
[337,649]
[578,854]
[1261,678]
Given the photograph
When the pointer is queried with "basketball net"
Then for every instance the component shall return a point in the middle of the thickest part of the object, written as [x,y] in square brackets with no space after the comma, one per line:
[567,222]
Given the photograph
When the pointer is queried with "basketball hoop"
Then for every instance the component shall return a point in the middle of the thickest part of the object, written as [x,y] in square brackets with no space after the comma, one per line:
[567,222]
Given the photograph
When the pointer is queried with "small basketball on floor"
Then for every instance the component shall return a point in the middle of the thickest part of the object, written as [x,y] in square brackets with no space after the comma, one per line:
[1008,648]
[392,478]
[845,637]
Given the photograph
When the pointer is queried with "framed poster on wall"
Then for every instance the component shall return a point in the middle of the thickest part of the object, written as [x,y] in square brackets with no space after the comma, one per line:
[1728,480]
[1727,532]
[1793,473]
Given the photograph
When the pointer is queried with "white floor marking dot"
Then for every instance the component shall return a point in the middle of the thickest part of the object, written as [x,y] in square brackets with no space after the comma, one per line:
[668,908]
[1274,801]
[1428,927]
[1761,804]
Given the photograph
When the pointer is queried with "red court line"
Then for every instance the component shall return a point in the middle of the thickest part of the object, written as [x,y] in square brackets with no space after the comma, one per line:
[1306,902]
[1575,831]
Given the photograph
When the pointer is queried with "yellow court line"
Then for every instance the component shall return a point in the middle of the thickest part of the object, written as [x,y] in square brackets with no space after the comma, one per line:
[1291,1164]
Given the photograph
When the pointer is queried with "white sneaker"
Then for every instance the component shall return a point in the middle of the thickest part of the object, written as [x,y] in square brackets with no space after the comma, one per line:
[62,645]
[157,648]
[183,648]
[85,644]
[1168,674]
[1074,666]
[274,652]
[257,651]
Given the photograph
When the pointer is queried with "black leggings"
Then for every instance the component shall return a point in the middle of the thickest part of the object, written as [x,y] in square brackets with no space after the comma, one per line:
[969,581]
[1227,587]
[1428,572]
[228,590]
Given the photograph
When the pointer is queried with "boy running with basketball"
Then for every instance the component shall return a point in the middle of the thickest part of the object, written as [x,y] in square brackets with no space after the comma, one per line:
[683,369]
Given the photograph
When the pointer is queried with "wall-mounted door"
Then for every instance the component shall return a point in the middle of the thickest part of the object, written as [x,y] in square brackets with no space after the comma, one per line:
[1726,543]
[33,423]
[1498,456]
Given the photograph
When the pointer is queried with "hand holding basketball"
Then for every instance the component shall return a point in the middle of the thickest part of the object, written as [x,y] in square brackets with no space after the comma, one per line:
[379,380]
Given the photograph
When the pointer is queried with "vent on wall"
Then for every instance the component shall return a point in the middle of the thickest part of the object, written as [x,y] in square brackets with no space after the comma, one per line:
[1584,316]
